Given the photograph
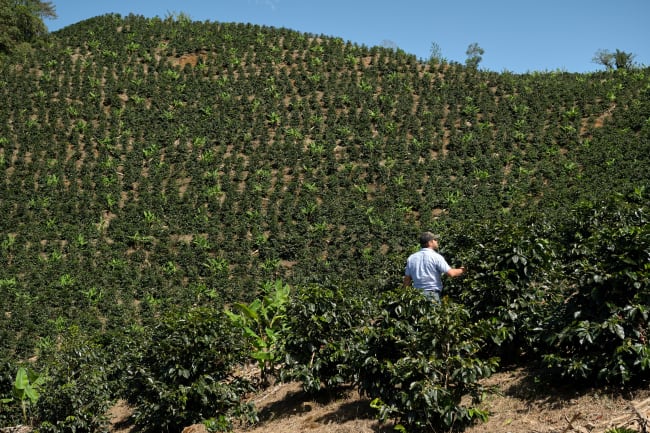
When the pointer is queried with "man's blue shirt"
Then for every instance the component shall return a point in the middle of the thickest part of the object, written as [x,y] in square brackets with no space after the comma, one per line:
[426,268]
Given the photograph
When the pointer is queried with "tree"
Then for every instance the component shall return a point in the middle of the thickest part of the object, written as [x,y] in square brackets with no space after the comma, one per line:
[605,58]
[623,60]
[474,55]
[620,59]
[21,21]
[436,53]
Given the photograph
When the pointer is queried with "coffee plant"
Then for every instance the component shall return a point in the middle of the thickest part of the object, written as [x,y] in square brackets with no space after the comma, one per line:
[76,394]
[320,341]
[415,359]
[600,333]
[511,281]
[419,359]
[183,372]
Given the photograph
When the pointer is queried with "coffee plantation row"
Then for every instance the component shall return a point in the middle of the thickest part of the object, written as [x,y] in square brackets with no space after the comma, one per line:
[179,199]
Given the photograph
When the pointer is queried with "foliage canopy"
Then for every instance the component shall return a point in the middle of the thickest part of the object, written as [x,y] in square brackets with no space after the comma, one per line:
[21,21]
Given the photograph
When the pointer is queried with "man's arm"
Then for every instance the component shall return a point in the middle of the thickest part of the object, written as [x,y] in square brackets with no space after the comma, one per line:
[407,281]
[456,272]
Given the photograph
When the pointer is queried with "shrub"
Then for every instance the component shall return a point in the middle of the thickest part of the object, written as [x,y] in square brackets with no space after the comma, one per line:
[182,373]
[76,395]
[420,359]
[511,281]
[321,325]
[415,359]
[600,333]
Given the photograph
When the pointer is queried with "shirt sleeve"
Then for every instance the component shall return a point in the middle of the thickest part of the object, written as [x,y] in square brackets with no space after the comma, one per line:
[444,267]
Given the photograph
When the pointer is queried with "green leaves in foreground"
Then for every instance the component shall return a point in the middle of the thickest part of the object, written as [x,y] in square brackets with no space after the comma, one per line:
[420,360]
[26,389]
[182,373]
[601,333]
[262,322]
[416,360]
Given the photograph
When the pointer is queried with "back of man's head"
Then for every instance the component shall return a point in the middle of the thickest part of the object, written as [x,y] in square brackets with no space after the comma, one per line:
[427,237]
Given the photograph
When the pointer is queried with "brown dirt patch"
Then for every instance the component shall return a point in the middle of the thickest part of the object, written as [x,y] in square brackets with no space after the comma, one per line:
[119,418]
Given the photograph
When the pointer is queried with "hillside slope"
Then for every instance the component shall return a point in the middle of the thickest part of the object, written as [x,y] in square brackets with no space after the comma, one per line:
[154,171]
[141,156]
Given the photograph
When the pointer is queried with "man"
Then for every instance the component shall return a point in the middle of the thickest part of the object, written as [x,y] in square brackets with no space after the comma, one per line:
[425,268]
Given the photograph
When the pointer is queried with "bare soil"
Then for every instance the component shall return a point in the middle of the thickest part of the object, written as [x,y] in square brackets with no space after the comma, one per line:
[520,405]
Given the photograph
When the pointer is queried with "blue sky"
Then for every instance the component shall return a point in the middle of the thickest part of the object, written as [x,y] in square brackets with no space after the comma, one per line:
[517,35]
